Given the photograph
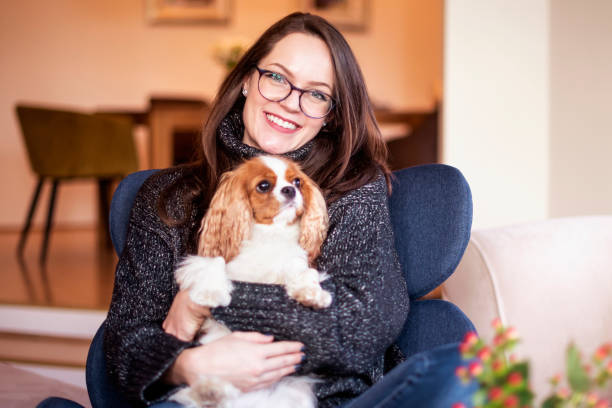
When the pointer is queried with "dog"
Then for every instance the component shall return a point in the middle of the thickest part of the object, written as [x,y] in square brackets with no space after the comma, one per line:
[265,224]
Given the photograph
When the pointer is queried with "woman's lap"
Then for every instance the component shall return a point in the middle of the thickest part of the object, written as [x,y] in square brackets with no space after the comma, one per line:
[425,378]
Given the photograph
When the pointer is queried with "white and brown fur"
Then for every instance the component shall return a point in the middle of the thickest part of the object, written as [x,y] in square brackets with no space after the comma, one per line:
[269,237]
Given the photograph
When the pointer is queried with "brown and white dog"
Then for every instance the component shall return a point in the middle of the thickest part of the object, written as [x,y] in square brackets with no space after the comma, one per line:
[265,224]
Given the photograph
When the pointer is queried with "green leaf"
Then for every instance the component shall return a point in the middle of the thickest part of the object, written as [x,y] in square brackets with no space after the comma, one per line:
[577,376]
[480,397]
[552,402]
[525,397]
[521,367]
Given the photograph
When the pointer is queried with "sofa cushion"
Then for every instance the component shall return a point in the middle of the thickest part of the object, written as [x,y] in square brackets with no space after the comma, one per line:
[552,280]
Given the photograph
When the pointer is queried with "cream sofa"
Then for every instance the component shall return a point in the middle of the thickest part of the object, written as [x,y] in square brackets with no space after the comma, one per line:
[552,280]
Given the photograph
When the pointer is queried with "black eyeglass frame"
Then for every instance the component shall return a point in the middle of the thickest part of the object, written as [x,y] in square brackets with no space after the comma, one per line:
[291,89]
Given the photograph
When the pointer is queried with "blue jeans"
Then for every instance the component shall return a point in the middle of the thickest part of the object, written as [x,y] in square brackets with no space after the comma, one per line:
[425,379]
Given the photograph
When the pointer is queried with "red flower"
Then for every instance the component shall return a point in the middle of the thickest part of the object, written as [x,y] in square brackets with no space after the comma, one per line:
[470,338]
[592,399]
[511,334]
[498,365]
[495,393]
[603,351]
[458,405]
[461,372]
[602,404]
[511,402]
[563,393]
[556,379]
[484,354]
[475,368]
[515,379]
[496,323]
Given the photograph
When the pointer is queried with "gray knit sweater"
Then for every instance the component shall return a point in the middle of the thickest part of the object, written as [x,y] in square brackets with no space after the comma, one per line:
[345,343]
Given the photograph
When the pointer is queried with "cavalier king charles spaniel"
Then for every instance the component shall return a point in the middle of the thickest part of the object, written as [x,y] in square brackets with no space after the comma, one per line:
[265,224]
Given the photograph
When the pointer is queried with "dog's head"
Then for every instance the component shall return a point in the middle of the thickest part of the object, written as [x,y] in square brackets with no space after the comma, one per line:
[263,190]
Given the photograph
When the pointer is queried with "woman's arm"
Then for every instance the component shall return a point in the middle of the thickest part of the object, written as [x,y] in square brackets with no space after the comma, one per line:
[370,301]
[138,351]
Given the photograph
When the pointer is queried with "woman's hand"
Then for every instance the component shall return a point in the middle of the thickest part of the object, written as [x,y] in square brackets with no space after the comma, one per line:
[185,317]
[248,360]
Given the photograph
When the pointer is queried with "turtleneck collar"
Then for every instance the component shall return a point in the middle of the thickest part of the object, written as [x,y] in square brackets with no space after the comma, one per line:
[231,132]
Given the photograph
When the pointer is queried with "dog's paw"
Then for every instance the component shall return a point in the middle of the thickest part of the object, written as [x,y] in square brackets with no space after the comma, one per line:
[312,296]
[211,297]
[212,292]
[206,280]
[304,287]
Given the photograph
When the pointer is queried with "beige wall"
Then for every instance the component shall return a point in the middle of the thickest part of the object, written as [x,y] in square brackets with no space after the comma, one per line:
[581,107]
[496,103]
[527,106]
[92,53]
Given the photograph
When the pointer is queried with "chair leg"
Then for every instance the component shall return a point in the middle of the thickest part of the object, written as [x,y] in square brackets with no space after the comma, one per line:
[43,254]
[28,223]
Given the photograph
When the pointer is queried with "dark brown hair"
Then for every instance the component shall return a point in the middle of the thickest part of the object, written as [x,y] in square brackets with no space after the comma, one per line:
[346,154]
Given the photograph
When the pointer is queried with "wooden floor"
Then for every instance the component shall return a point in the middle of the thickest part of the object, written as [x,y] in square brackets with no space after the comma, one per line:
[73,288]
[78,273]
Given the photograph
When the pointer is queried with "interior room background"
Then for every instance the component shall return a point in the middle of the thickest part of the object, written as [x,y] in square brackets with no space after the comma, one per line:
[525,103]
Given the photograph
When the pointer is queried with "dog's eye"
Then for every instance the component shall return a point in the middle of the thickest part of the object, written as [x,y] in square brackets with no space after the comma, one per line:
[263,186]
[297,182]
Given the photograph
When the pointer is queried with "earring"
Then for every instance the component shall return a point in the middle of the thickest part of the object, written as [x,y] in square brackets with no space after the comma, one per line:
[244,92]
[324,123]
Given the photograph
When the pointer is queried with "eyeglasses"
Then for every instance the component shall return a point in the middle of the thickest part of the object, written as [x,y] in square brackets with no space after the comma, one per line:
[276,88]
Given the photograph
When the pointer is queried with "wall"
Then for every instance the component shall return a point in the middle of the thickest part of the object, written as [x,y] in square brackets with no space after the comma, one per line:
[496,104]
[527,106]
[95,53]
[580,108]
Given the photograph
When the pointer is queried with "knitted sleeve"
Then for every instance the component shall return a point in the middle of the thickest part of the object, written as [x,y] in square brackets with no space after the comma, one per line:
[370,300]
[137,349]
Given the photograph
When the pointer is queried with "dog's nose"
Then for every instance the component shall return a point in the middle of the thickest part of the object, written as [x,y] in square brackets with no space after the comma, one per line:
[288,192]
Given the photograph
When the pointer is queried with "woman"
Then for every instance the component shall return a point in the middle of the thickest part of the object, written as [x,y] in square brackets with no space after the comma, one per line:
[298,92]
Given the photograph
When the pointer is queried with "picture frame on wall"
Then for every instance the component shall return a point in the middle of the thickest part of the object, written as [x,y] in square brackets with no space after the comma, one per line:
[187,11]
[347,15]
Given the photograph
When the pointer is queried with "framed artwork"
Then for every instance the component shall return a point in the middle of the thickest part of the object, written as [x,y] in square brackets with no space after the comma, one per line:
[178,11]
[343,14]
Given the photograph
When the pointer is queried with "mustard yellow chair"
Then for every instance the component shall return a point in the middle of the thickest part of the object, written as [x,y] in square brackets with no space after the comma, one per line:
[64,145]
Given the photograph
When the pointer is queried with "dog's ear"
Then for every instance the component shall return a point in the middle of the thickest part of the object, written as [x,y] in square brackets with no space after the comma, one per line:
[228,220]
[314,222]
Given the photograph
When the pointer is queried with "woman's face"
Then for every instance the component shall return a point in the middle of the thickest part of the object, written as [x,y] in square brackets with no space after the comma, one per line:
[280,127]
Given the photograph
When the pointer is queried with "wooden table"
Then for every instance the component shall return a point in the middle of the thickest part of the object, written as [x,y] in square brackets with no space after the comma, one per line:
[412,136]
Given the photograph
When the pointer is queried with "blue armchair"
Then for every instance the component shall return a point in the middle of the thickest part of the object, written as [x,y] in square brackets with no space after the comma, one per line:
[431,213]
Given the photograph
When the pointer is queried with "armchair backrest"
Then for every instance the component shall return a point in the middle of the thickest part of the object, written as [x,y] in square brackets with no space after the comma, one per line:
[431,214]
[121,206]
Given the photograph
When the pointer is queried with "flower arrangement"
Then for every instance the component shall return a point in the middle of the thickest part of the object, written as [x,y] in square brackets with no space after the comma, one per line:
[504,382]
[228,51]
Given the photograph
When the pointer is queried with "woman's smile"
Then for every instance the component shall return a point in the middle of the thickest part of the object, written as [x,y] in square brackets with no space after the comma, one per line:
[281,124]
